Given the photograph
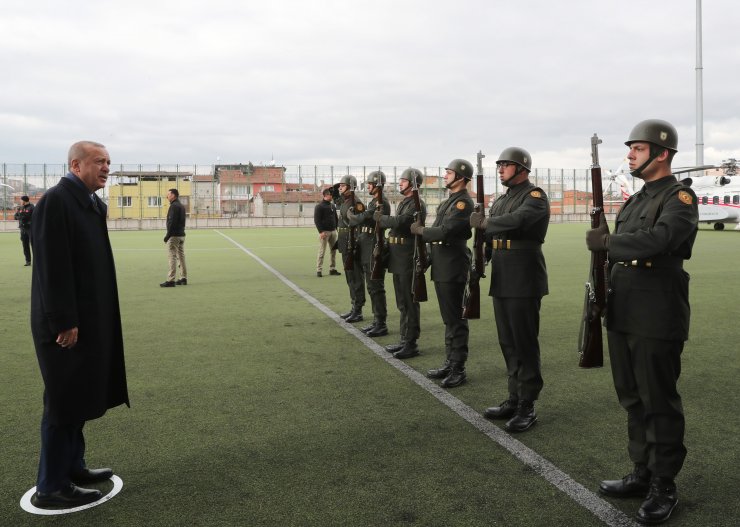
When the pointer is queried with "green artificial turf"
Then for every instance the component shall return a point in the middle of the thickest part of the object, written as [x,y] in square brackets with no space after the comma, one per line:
[251,407]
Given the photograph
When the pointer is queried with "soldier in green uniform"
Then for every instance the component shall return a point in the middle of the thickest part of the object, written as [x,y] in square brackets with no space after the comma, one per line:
[647,318]
[451,258]
[365,224]
[401,263]
[347,244]
[516,230]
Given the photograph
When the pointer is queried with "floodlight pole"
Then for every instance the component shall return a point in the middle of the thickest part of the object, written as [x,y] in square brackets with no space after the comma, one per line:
[699,91]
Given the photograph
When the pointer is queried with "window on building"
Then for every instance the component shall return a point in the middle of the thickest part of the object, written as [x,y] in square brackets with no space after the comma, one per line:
[124,201]
[155,201]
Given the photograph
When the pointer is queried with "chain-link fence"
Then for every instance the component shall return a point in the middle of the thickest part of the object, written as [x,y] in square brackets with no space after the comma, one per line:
[216,192]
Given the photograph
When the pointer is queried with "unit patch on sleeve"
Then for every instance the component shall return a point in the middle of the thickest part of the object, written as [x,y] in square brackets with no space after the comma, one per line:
[460,205]
[685,197]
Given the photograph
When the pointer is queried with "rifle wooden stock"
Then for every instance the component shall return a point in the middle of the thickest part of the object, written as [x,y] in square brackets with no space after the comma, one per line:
[591,347]
[471,303]
[349,261]
[421,258]
[376,272]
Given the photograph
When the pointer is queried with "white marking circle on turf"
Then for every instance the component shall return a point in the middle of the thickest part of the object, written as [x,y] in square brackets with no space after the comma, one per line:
[27,506]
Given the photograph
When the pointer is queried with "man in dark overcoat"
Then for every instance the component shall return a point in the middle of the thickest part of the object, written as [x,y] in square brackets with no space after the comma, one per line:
[76,325]
[23,215]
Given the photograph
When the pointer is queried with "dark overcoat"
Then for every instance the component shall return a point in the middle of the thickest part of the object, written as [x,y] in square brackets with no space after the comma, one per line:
[74,285]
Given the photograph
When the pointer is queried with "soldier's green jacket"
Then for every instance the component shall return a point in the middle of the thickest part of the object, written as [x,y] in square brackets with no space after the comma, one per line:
[451,230]
[366,228]
[655,226]
[402,250]
[520,215]
[344,224]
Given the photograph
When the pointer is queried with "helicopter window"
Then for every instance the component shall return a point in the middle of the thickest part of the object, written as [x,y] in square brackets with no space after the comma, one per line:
[736,199]
[715,200]
[727,200]
[704,200]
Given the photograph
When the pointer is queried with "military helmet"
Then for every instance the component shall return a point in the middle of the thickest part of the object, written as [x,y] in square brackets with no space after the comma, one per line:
[655,131]
[350,181]
[376,177]
[462,168]
[413,173]
[515,154]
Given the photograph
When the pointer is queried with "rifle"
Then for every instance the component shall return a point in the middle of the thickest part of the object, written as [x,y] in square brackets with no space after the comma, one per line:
[590,342]
[376,273]
[471,303]
[349,262]
[421,258]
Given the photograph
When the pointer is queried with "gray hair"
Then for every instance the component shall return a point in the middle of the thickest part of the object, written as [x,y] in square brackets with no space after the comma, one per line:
[79,150]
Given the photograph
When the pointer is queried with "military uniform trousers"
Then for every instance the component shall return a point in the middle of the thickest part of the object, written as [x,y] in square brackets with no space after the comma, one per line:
[410,327]
[376,290]
[450,297]
[355,281]
[518,326]
[645,372]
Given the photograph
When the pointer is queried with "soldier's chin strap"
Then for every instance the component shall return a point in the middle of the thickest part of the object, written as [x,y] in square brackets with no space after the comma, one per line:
[655,151]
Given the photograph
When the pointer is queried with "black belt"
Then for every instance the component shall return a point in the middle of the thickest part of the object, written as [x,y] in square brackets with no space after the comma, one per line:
[510,245]
[663,262]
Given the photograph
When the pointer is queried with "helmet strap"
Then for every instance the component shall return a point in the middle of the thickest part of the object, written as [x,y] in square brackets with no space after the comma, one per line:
[655,151]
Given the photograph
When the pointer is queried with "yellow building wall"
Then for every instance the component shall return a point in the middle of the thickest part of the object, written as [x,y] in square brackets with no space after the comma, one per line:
[139,195]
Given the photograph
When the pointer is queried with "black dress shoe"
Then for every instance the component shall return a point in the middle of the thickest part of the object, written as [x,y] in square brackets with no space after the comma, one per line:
[355,317]
[441,372]
[660,502]
[27,264]
[71,496]
[392,348]
[318,274]
[456,377]
[167,284]
[91,475]
[334,272]
[379,330]
[181,281]
[505,410]
[408,351]
[348,313]
[523,419]
[636,483]
[368,328]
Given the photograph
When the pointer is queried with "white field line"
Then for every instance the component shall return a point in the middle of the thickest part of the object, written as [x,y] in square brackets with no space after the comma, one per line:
[585,498]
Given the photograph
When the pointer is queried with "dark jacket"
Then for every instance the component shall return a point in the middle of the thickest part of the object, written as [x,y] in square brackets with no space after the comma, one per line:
[325,216]
[401,241]
[24,217]
[658,224]
[448,235]
[175,220]
[520,216]
[74,285]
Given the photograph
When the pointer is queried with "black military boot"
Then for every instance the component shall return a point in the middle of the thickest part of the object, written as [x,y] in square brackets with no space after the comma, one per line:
[636,483]
[441,372]
[368,328]
[505,410]
[348,313]
[408,351]
[524,417]
[356,316]
[379,329]
[456,377]
[392,348]
[660,502]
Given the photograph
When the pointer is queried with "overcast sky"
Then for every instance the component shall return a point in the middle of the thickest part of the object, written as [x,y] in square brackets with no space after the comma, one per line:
[379,82]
